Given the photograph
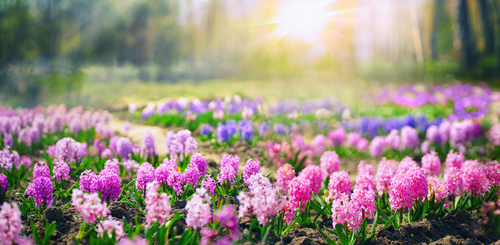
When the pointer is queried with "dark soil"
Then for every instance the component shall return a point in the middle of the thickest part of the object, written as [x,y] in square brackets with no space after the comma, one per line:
[460,227]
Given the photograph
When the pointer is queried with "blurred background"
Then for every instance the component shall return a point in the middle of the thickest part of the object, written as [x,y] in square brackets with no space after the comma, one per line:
[108,53]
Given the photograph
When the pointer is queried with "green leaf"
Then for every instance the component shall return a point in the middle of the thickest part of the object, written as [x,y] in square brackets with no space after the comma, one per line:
[76,241]
[328,239]
[340,233]
[48,232]
[35,232]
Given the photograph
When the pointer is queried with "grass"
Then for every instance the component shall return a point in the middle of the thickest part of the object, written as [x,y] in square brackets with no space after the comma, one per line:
[117,95]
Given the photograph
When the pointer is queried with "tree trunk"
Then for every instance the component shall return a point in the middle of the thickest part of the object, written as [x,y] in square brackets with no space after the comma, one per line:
[468,46]
[438,9]
[496,7]
[487,25]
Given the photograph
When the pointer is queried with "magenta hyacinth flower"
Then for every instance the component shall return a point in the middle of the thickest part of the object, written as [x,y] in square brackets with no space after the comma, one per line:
[364,199]
[444,131]
[109,185]
[67,149]
[88,182]
[299,190]
[99,146]
[11,225]
[454,159]
[329,163]
[200,162]
[406,164]
[107,153]
[252,167]
[362,144]
[61,170]
[157,205]
[8,140]
[377,146]
[353,139]
[113,166]
[364,182]
[336,137]
[432,134]
[284,175]
[492,170]
[406,187]
[3,183]
[40,190]
[163,171]
[262,199]
[340,183]
[229,160]
[365,169]
[393,140]
[130,164]
[175,181]
[409,138]
[145,174]
[26,161]
[191,176]
[198,209]
[345,211]
[475,180]
[148,147]
[89,206]
[137,241]
[385,172]
[436,189]
[314,175]
[494,134]
[228,169]
[41,170]
[110,226]
[124,147]
[452,181]
[209,184]
[431,164]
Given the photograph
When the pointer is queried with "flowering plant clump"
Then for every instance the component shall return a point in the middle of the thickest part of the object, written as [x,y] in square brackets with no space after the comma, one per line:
[329,163]
[145,174]
[148,147]
[61,171]
[340,183]
[454,160]
[406,187]
[314,175]
[385,172]
[157,205]
[41,191]
[88,182]
[89,206]
[251,168]
[284,175]
[346,212]
[228,169]
[11,225]
[297,183]
[262,199]
[198,209]
[406,164]
[431,164]
[475,180]
[3,183]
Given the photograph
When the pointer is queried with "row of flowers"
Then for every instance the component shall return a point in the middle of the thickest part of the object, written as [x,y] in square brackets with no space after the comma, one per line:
[398,192]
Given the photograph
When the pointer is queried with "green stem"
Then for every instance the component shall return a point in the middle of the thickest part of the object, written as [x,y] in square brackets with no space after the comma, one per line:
[82,230]
[400,215]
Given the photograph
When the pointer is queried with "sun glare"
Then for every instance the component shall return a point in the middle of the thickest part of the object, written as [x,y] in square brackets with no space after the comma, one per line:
[303,19]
